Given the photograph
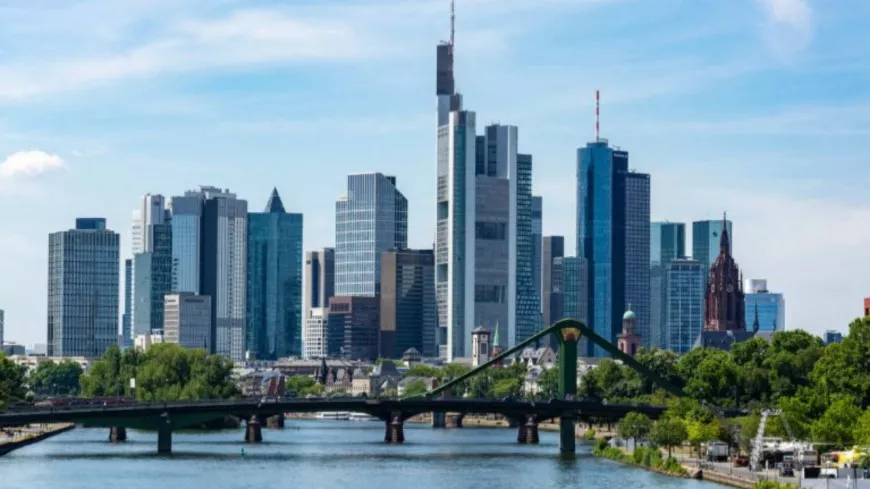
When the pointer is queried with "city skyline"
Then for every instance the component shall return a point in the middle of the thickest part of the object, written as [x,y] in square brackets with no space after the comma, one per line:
[168,146]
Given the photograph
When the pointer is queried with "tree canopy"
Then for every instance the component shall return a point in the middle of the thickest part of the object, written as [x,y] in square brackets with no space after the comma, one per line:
[55,378]
[165,372]
[11,382]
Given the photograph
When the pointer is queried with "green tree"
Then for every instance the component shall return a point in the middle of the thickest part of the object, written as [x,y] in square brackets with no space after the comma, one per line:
[509,387]
[421,370]
[299,384]
[165,372]
[415,388]
[668,432]
[11,381]
[634,426]
[55,378]
[861,433]
[699,432]
[837,425]
[548,384]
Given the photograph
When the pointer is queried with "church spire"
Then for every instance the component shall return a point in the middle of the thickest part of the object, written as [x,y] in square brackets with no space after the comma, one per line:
[724,244]
[755,325]
[495,336]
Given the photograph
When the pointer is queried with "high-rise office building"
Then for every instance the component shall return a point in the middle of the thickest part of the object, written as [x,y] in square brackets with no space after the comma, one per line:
[571,276]
[186,240]
[527,296]
[353,327]
[372,217]
[187,320]
[152,279]
[127,315]
[537,244]
[316,338]
[686,281]
[667,243]
[319,277]
[552,298]
[705,240]
[455,229]
[83,289]
[274,285]
[319,288]
[613,236]
[408,316]
[223,268]
[767,307]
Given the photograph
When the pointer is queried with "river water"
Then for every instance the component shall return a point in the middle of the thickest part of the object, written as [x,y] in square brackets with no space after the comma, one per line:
[320,455]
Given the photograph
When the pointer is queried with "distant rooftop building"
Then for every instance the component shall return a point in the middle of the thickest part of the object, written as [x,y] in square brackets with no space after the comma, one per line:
[832,336]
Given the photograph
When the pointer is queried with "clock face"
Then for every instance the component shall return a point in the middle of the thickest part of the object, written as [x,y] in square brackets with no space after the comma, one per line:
[730,288]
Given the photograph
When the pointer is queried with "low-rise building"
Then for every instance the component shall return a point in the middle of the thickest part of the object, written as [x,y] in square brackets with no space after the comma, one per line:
[144,341]
[30,362]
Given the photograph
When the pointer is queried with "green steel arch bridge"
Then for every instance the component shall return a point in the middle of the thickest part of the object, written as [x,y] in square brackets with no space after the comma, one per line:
[164,417]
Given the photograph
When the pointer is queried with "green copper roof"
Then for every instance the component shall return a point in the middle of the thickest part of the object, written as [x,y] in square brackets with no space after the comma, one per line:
[629,315]
[495,338]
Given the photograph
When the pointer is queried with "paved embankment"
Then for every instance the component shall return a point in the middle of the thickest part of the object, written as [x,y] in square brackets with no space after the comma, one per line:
[28,435]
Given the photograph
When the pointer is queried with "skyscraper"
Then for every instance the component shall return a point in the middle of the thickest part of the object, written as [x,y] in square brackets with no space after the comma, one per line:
[83,289]
[223,269]
[768,307]
[537,243]
[613,236]
[319,288]
[187,320]
[408,316]
[705,240]
[372,217]
[571,277]
[152,278]
[353,327]
[186,240]
[686,281]
[127,316]
[551,291]
[455,230]
[667,243]
[527,298]
[274,284]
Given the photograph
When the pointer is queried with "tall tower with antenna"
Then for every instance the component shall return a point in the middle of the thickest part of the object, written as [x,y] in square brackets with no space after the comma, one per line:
[455,202]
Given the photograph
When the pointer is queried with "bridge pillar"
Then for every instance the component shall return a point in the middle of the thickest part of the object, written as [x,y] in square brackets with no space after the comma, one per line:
[275,421]
[439,420]
[253,430]
[513,422]
[568,337]
[164,438]
[117,434]
[395,433]
[527,433]
[458,422]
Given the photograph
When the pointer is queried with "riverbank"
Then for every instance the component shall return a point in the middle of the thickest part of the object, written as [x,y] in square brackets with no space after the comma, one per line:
[30,435]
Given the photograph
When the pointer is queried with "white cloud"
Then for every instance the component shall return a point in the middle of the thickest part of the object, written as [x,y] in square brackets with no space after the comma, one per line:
[789,27]
[30,164]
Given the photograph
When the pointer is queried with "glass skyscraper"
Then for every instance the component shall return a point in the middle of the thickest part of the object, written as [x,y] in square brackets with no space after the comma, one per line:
[537,244]
[455,226]
[770,307]
[686,282]
[705,240]
[274,285]
[372,217]
[613,236]
[152,279]
[570,276]
[83,289]
[127,315]
[667,243]
[527,311]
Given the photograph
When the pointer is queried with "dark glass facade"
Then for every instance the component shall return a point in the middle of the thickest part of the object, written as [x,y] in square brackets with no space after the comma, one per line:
[552,306]
[528,305]
[408,317]
[274,283]
[126,318]
[705,240]
[152,280]
[353,328]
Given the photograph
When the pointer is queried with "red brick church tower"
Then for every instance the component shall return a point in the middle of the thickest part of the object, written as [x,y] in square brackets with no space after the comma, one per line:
[724,309]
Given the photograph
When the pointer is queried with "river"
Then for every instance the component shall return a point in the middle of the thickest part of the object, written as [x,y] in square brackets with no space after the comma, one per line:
[321,455]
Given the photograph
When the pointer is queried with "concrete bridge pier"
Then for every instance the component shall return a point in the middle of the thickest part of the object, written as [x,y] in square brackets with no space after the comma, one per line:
[567,435]
[439,420]
[276,421]
[395,433]
[455,420]
[117,434]
[164,438]
[527,433]
[253,430]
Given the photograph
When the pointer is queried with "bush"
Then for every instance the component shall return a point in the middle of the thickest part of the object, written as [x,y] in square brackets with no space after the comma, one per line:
[600,447]
[589,434]
[773,485]
[638,455]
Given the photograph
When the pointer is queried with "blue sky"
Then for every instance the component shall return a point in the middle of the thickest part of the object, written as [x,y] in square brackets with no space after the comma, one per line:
[757,107]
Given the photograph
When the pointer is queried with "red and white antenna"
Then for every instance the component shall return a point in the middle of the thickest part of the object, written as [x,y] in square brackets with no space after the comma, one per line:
[597,113]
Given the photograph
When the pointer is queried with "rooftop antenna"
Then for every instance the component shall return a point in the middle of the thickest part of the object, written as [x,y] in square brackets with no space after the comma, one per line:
[597,110]
[452,21]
